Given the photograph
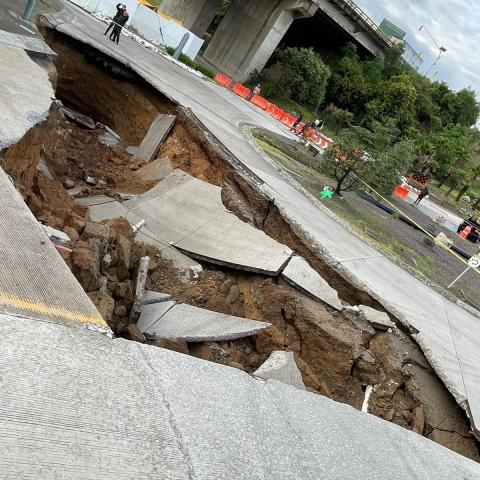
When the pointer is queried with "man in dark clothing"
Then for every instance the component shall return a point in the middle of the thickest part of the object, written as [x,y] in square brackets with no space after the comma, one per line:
[423,193]
[297,121]
[120,8]
[121,21]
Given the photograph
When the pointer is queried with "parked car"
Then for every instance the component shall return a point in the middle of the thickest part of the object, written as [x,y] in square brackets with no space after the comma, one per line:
[474,235]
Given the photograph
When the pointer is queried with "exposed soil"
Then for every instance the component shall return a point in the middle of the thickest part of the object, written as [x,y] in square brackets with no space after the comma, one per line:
[336,358]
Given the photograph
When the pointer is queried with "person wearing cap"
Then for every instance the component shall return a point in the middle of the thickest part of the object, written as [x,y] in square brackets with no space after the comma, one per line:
[120,9]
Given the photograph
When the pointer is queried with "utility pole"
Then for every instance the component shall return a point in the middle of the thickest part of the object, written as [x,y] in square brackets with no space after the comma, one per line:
[28,10]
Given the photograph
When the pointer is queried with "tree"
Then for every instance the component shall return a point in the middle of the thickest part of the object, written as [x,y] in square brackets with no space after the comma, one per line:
[394,99]
[347,87]
[474,174]
[375,155]
[393,64]
[304,76]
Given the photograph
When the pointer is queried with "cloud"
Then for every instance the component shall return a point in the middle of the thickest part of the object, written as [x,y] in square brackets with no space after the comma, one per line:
[453,24]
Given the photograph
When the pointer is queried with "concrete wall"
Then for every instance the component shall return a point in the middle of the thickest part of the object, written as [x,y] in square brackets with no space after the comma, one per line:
[250,32]
[156,28]
[196,15]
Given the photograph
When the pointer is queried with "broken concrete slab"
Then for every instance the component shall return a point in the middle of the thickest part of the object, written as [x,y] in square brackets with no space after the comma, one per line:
[109,210]
[28,43]
[150,297]
[302,276]
[156,170]
[79,118]
[35,280]
[281,366]
[151,313]
[227,241]
[157,133]
[26,94]
[188,213]
[193,324]
[94,200]
[379,320]
[165,397]
[353,314]
[142,273]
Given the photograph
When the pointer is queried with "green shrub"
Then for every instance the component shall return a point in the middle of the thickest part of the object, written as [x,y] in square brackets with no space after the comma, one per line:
[304,76]
[190,63]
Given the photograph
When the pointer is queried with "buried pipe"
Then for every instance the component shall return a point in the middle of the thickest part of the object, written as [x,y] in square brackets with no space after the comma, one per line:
[368,392]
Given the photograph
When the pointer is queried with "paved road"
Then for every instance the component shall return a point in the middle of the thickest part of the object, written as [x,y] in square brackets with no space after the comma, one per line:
[431,209]
[449,335]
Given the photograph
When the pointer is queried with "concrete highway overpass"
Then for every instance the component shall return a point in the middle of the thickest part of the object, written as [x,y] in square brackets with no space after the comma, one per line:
[252,29]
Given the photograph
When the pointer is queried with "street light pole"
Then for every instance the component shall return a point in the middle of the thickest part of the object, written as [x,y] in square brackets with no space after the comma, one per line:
[441,50]
[28,10]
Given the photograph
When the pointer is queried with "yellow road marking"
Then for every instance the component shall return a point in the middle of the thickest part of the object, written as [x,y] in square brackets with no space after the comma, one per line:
[29,305]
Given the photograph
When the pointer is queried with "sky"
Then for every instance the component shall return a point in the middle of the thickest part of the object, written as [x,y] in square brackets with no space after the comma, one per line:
[454,24]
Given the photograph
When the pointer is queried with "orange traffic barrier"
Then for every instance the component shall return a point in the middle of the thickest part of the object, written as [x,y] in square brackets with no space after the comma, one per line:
[270,108]
[278,113]
[466,232]
[241,91]
[288,120]
[223,80]
[401,192]
[260,102]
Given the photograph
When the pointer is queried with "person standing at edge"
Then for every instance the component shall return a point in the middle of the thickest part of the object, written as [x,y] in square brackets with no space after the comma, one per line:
[423,193]
[121,21]
[256,91]
[120,8]
[297,122]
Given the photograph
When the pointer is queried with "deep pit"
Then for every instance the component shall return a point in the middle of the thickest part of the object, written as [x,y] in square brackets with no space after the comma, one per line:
[336,359]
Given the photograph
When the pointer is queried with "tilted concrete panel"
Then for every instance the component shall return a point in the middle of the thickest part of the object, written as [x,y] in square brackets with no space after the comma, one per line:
[193,324]
[34,279]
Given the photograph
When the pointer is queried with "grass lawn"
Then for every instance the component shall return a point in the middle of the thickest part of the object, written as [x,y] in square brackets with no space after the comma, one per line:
[392,235]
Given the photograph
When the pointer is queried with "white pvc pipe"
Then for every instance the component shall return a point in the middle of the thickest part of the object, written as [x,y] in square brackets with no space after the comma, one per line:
[368,392]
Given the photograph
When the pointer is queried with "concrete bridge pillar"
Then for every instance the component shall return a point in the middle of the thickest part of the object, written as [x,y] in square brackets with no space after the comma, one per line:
[250,32]
[196,15]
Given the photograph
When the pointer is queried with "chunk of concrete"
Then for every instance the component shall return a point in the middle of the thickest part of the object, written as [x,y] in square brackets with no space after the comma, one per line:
[79,118]
[156,170]
[281,366]
[139,289]
[192,324]
[131,150]
[157,133]
[150,297]
[379,320]
[56,236]
[302,276]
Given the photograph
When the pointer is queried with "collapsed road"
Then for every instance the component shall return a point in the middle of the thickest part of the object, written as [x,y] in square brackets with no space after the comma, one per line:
[338,353]
[446,329]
